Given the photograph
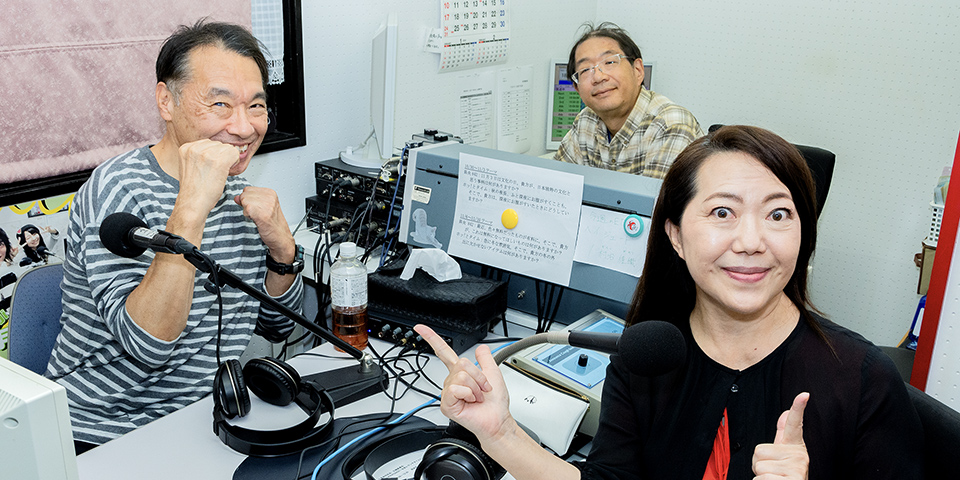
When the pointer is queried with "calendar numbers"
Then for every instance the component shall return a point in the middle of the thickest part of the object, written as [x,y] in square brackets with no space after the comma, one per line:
[476,33]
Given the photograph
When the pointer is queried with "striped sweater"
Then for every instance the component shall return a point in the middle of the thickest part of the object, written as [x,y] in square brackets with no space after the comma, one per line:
[119,377]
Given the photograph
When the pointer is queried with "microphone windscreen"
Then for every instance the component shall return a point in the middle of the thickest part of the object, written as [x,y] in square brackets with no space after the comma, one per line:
[114,234]
[652,348]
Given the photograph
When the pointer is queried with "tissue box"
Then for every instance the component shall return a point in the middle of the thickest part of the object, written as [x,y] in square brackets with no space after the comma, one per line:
[461,310]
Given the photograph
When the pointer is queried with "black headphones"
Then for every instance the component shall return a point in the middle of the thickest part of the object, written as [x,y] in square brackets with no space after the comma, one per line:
[457,456]
[276,383]
[404,440]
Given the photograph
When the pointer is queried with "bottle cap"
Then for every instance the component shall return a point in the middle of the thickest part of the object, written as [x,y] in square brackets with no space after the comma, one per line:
[348,249]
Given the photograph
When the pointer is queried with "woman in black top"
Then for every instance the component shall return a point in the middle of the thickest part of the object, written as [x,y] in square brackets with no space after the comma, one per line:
[769,389]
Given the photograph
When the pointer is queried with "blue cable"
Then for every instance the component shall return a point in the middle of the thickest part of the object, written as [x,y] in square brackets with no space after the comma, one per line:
[399,419]
[396,188]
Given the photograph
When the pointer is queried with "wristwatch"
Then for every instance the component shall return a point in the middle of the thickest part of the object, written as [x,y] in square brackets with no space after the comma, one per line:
[285,268]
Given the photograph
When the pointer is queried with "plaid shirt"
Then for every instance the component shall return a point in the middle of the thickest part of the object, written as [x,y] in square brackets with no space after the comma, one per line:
[656,131]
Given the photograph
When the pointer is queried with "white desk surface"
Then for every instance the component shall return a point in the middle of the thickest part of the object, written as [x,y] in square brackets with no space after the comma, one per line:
[182,445]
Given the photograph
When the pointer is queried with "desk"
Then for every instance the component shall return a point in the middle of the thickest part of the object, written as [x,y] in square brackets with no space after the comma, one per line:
[182,445]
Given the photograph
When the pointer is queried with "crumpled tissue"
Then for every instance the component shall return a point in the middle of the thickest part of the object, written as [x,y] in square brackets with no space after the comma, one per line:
[435,262]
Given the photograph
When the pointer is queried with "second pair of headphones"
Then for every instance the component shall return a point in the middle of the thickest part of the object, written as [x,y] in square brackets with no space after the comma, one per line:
[276,383]
[457,456]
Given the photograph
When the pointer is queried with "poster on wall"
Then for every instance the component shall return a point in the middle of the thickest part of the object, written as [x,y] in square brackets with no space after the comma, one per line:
[31,234]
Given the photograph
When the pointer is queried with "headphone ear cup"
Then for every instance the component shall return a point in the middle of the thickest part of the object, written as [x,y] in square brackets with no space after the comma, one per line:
[457,455]
[272,380]
[231,390]
[455,458]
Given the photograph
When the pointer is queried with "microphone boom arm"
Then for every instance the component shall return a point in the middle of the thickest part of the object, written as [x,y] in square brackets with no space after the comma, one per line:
[226,277]
[128,236]
[557,338]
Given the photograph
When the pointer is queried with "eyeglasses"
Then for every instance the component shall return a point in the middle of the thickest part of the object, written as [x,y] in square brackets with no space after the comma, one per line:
[605,66]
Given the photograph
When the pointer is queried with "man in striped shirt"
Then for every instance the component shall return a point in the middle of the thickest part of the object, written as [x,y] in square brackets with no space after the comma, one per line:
[140,336]
[624,127]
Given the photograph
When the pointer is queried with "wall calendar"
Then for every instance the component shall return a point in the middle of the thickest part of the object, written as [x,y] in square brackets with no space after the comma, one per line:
[476,33]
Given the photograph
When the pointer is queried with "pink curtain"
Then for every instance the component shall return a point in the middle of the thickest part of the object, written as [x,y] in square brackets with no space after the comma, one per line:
[77,78]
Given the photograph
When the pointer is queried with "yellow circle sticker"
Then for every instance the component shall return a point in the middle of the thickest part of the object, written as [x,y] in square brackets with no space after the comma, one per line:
[509,218]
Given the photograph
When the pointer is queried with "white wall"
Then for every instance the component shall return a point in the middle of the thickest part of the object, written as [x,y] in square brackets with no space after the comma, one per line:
[336,43]
[874,82]
[336,57]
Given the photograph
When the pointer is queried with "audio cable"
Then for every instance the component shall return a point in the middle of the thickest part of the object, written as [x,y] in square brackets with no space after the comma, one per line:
[369,433]
[399,419]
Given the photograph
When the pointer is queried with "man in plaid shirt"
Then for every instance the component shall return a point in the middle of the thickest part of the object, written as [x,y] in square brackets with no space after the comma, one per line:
[624,126]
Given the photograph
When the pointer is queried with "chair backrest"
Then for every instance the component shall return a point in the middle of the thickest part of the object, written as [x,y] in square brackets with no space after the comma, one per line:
[902,358]
[941,434]
[821,163]
[35,311]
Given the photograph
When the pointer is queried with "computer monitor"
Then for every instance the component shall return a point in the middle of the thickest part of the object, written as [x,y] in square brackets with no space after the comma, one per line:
[431,194]
[36,440]
[383,90]
[563,101]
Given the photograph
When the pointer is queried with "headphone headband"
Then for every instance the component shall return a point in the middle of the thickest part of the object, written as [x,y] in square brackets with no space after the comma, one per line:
[272,443]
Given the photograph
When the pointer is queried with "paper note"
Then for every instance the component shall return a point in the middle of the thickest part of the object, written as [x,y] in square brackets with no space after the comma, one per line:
[434,42]
[542,205]
[603,241]
[475,121]
[513,107]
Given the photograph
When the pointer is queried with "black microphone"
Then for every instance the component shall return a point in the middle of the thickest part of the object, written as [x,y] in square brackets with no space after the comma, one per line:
[648,348]
[128,236]
[651,348]
[44,252]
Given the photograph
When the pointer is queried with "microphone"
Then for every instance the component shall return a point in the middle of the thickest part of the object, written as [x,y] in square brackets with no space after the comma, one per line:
[648,348]
[126,235]
[652,348]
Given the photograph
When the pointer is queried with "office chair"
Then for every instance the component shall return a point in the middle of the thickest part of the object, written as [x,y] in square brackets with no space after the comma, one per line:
[902,358]
[821,163]
[941,434]
[35,311]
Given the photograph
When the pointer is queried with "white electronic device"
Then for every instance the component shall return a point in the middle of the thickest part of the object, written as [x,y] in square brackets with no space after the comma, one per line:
[36,441]
[383,92]
[574,368]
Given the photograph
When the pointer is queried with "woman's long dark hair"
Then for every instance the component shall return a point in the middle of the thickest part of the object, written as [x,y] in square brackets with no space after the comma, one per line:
[666,291]
[5,240]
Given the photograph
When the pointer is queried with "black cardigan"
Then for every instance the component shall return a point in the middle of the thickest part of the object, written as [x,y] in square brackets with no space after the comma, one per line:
[858,424]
